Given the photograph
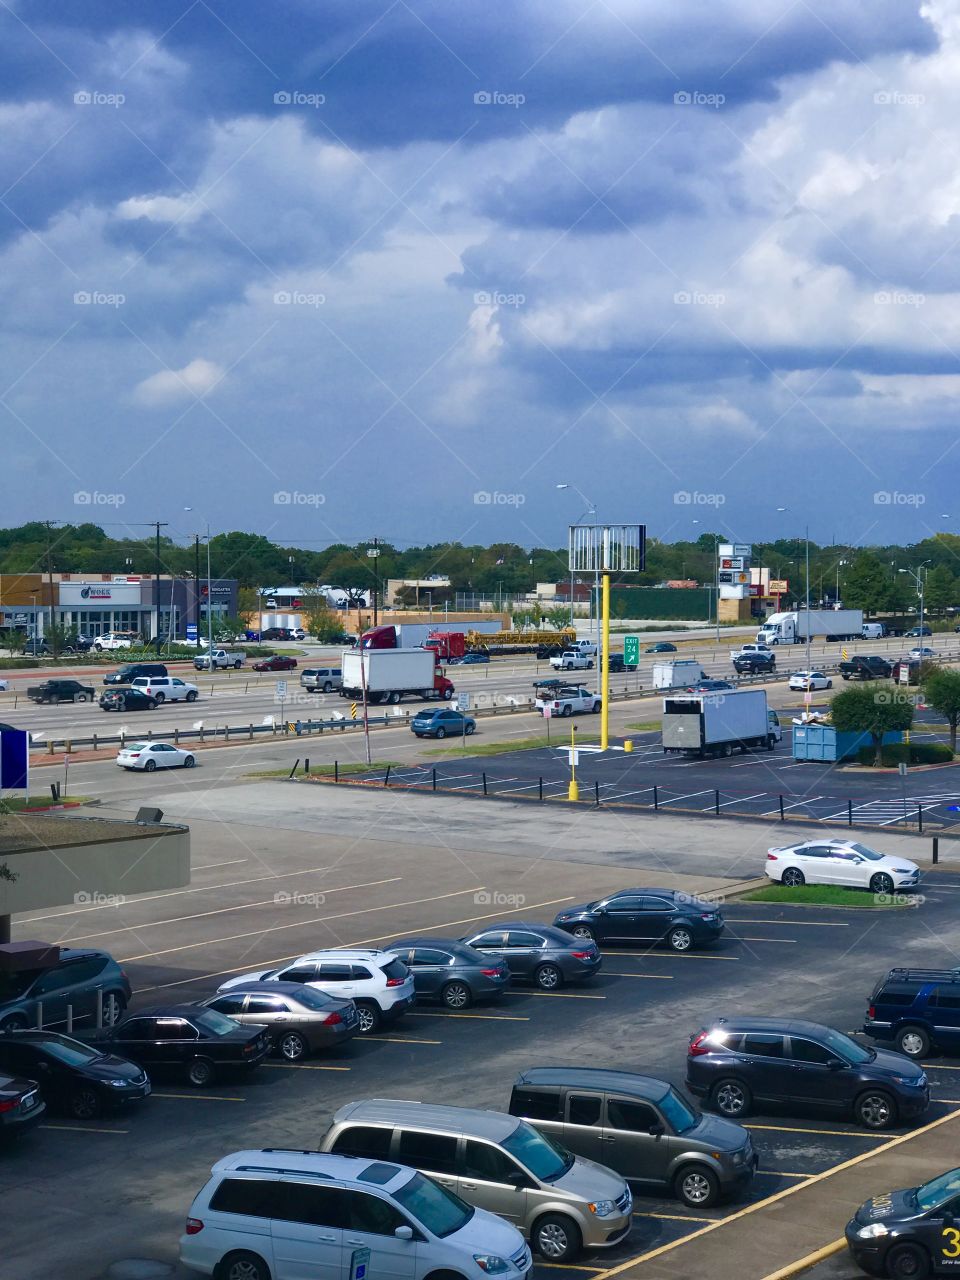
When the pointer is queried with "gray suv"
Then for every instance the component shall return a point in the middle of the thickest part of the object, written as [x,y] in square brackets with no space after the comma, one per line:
[78,979]
[321,679]
[639,1126]
[496,1162]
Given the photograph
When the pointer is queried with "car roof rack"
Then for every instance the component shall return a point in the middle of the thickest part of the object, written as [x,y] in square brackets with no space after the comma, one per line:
[925,975]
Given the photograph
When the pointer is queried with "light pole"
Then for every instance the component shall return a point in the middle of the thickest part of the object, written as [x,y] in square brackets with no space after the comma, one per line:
[373,553]
[841,564]
[920,579]
[209,602]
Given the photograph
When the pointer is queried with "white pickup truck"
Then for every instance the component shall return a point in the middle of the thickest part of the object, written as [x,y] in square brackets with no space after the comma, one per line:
[219,660]
[585,646]
[748,649]
[568,701]
[571,660]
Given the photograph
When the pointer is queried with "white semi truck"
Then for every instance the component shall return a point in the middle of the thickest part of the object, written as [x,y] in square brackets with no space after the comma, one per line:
[824,624]
[717,724]
[391,674]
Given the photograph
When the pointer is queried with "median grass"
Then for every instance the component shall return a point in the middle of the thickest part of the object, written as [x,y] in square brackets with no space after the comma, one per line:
[473,748]
[17,804]
[828,895]
[643,726]
[326,770]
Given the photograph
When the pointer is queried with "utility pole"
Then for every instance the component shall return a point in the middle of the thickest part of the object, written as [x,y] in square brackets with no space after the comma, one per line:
[373,553]
[55,640]
[196,585]
[159,524]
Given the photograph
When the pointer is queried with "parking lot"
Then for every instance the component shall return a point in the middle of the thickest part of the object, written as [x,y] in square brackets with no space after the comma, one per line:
[265,890]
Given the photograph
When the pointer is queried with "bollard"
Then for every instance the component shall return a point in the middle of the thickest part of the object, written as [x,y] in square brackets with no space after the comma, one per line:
[306,766]
[69,1019]
[628,745]
[386,776]
[596,794]
[716,802]
[176,737]
[434,779]
[39,1015]
[920,819]
[782,818]
[849,813]
[656,803]
[484,784]
[99,1023]
[541,788]
[94,740]
[250,731]
[936,850]
[336,771]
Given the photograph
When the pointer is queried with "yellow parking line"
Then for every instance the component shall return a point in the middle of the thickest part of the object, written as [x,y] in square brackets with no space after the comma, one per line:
[830,1133]
[200,1097]
[485,1017]
[938,1066]
[661,977]
[556,995]
[399,1040]
[307,1066]
[672,1217]
[566,1266]
[779,1173]
[76,1128]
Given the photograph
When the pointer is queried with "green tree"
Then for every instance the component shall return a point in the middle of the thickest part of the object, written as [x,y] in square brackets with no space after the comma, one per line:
[558,616]
[873,709]
[941,689]
[866,584]
[941,589]
[320,620]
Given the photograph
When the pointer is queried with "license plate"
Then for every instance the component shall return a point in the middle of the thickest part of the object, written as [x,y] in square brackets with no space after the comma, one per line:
[29,1101]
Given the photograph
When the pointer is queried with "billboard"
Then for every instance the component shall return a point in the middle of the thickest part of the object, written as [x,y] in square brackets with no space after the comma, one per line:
[731,562]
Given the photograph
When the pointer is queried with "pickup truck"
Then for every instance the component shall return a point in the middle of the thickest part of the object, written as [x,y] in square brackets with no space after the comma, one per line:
[584,646]
[571,660]
[61,691]
[219,660]
[746,649]
[864,667]
[569,700]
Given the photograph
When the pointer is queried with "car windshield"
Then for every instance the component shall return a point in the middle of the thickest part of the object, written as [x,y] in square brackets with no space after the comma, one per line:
[216,1024]
[545,1159]
[937,1190]
[870,854]
[70,1052]
[135,746]
[845,1048]
[678,1113]
[439,1210]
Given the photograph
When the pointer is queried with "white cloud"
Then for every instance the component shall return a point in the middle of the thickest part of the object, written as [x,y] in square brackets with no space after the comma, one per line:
[167,387]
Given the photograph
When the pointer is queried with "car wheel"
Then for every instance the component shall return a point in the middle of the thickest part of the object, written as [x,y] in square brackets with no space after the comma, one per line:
[237,666]
[584,932]
[16,1022]
[441,732]
[829,684]
[697,1186]
[556,1238]
[200,1072]
[394,698]
[726,750]
[242,1266]
[908,1262]
[292,1046]
[151,705]
[470,728]
[793,878]
[84,1103]
[567,710]
[913,1041]
[680,939]
[191,696]
[731,1098]
[150,766]
[160,697]
[447,695]
[369,1015]
[548,977]
[881,883]
[81,697]
[189,762]
[457,995]
[113,1006]
[328,687]
[875,1109]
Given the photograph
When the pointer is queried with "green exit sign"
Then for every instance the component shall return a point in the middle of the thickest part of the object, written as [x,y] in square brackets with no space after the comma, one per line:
[631,650]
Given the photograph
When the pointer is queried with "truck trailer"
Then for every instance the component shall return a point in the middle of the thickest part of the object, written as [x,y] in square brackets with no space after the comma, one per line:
[715,724]
[677,675]
[824,624]
[392,674]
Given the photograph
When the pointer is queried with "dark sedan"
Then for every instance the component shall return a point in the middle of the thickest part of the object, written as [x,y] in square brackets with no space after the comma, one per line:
[127,700]
[734,1063]
[710,686]
[538,953]
[277,663]
[909,1232]
[474,659]
[300,1019]
[77,1078]
[184,1038]
[21,1106]
[450,971]
[644,915]
[662,646]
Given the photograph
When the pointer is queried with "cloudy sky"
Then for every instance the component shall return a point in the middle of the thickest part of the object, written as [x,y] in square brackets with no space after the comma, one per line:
[325,269]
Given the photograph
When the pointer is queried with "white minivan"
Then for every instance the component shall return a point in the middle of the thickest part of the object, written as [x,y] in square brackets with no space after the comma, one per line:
[873,631]
[282,1215]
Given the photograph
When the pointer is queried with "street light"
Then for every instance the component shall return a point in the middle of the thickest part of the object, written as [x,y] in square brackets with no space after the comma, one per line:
[209,602]
[595,594]
[841,564]
[920,579]
[806,539]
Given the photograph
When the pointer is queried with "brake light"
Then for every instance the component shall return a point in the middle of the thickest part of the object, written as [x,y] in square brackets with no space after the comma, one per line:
[491,973]
[395,982]
[9,1106]
[697,1047]
[332,1019]
[194,1225]
[872,1011]
[582,955]
[771,857]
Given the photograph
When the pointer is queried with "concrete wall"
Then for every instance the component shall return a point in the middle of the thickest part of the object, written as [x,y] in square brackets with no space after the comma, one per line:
[159,859]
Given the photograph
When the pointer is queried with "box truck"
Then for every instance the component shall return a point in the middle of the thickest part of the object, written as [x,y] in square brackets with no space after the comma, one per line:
[392,674]
[714,724]
[824,624]
[673,675]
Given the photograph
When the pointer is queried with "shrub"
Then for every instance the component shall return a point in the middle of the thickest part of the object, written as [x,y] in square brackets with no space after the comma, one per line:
[18,664]
[908,753]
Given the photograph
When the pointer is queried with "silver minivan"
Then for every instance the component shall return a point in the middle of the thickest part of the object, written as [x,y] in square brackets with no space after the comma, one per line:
[496,1162]
[321,679]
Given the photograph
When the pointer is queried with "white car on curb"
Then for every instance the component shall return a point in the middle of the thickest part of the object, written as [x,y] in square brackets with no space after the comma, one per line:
[810,680]
[378,982]
[4,686]
[843,862]
[166,689]
[153,755]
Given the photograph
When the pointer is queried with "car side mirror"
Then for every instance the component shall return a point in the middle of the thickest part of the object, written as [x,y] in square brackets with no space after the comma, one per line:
[404,1233]
[836,1064]
[656,1131]
[517,1180]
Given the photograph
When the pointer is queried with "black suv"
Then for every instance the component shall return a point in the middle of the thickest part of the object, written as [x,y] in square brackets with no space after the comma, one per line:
[750,663]
[735,1062]
[645,915]
[916,1009]
[126,700]
[130,670]
[77,979]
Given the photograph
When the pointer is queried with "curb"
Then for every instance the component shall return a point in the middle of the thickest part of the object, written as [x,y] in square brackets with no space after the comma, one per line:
[803,1264]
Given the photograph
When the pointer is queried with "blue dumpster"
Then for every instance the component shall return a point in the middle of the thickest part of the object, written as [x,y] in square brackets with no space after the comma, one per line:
[824,742]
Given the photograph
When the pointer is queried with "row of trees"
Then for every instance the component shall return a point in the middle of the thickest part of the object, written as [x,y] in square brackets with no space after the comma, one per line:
[878,711]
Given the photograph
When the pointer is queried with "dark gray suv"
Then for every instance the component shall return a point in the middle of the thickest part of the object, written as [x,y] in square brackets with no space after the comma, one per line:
[538,953]
[450,971]
[639,1126]
[78,979]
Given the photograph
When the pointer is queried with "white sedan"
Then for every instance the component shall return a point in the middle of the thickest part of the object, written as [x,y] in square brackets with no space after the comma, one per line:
[842,862]
[922,652]
[810,680]
[154,755]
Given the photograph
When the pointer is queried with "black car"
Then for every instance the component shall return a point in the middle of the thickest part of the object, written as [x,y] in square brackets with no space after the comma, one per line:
[126,700]
[36,648]
[450,971]
[617,664]
[300,1019]
[918,631]
[914,1232]
[74,1077]
[735,1062]
[710,686]
[545,651]
[21,1106]
[78,977]
[751,663]
[538,953]
[662,646]
[61,691]
[644,915]
[129,671]
[917,1009]
[200,1043]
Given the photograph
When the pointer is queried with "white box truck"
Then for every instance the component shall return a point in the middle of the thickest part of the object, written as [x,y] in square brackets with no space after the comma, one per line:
[715,724]
[673,675]
[392,674]
[824,624]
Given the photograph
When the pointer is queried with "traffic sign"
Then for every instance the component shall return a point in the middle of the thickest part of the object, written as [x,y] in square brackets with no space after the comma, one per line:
[631,650]
[281,689]
[191,631]
[353,711]
[463,702]
[844,654]
[359,1261]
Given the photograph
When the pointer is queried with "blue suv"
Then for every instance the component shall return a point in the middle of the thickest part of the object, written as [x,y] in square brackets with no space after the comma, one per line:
[916,1009]
[442,723]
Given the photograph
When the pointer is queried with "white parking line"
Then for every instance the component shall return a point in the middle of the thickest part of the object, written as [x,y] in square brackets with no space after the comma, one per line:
[743,799]
[688,796]
[795,805]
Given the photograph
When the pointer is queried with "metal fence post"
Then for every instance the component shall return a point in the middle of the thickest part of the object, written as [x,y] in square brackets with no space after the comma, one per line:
[849,813]
[716,802]
[596,793]
[484,783]
[386,776]
[782,817]
[336,771]
[541,788]
[656,802]
[434,780]
[920,819]
[306,766]
[936,850]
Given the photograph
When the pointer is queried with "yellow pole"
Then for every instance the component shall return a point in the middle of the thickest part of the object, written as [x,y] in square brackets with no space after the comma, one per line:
[573,790]
[605,667]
